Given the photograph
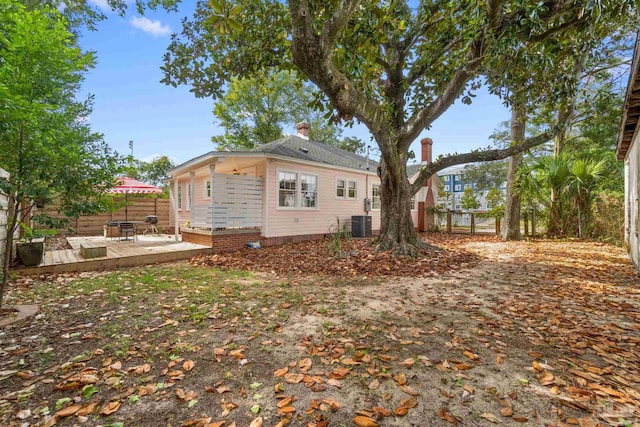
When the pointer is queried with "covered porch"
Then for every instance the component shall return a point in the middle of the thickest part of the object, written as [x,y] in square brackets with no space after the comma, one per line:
[220,200]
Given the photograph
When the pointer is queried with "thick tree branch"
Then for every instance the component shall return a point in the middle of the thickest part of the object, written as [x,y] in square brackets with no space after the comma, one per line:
[498,154]
[424,117]
[482,156]
[415,74]
[313,55]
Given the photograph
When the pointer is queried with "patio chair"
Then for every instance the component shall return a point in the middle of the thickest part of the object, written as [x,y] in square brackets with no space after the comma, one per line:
[127,228]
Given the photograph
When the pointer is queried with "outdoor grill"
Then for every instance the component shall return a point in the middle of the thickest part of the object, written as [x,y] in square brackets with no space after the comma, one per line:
[151,219]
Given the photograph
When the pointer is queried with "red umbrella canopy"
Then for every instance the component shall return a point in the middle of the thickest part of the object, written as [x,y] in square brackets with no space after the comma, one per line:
[128,185]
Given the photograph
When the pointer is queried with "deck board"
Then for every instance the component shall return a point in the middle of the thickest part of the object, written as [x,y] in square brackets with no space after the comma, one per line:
[146,250]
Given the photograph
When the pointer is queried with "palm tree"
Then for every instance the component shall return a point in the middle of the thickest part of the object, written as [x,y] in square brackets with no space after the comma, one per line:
[581,185]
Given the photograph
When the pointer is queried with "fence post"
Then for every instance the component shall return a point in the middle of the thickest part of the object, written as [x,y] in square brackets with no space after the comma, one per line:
[473,223]
[497,225]
[526,224]
[449,221]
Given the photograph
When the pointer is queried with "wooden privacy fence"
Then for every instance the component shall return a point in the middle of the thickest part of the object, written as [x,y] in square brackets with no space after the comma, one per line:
[236,202]
[138,208]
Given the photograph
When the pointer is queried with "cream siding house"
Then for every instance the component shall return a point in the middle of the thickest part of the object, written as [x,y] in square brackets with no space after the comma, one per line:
[289,190]
[629,151]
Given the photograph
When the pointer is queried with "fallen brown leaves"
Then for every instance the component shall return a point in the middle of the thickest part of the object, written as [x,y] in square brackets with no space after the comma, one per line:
[539,333]
[361,259]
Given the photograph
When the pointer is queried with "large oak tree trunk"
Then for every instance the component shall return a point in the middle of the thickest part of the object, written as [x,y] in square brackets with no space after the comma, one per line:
[511,223]
[397,231]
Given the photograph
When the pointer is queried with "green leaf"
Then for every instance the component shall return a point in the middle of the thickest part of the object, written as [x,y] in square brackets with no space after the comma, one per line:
[61,402]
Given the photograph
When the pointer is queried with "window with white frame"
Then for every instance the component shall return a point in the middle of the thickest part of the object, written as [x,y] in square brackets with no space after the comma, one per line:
[297,190]
[287,185]
[179,196]
[446,178]
[446,188]
[189,196]
[309,187]
[375,196]
[340,188]
[458,177]
[458,187]
[413,202]
[458,207]
[207,190]
[352,190]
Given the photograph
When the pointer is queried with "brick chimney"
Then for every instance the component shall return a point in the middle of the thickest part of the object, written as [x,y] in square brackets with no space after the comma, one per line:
[303,130]
[426,150]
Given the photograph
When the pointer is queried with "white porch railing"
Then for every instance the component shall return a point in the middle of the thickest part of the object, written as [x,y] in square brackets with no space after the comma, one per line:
[236,203]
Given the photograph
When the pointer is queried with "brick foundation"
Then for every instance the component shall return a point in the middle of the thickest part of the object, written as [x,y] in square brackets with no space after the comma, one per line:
[227,241]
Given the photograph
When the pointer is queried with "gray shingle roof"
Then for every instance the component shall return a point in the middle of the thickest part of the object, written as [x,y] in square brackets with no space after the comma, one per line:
[413,169]
[298,148]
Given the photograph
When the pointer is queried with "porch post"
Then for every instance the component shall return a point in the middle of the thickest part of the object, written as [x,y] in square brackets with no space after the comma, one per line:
[209,215]
[174,194]
[192,184]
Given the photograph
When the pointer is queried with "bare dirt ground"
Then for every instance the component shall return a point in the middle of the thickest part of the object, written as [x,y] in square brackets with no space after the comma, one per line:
[542,333]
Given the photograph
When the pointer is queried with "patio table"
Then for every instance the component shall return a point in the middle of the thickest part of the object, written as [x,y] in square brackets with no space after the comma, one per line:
[110,225]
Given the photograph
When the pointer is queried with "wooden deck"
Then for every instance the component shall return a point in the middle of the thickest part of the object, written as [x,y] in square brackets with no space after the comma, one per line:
[145,250]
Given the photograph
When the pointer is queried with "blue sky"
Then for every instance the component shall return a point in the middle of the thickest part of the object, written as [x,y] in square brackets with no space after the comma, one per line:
[131,104]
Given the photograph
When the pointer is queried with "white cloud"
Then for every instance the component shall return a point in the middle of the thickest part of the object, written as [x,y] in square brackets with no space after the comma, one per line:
[153,27]
[102,4]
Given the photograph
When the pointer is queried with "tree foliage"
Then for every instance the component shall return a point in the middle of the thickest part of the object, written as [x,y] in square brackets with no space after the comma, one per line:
[46,144]
[395,66]
[469,199]
[486,176]
[260,109]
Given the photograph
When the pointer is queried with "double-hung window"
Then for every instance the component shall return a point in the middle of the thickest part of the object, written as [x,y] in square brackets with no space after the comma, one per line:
[352,190]
[413,202]
[179,196]
[297,190]
[346,189]
[375,196]
[309,187]
[207,190]
[341,185]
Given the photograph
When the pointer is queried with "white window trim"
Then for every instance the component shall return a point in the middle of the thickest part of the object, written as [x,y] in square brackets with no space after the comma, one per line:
[189,196]
[349,181]
[446,178]
[414,202]
[344,196]
[458,187]
[379,186]
[446,187]
[298,202]
[204,191]
[180,196]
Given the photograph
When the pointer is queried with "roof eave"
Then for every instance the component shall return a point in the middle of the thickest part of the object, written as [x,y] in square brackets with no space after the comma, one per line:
[631,110]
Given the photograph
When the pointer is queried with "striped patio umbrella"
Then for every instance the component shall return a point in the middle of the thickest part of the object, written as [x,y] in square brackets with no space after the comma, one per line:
[128,186]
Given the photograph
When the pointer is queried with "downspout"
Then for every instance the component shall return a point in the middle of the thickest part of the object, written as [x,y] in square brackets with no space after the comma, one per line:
[265,215]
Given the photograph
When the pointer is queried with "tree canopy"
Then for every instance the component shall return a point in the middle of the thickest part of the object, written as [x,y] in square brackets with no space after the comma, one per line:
[260,109]
[46,144]
[395,66]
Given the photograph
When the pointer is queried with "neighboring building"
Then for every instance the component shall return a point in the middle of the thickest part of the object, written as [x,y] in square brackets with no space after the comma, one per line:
[291,189]
[629,151]
[454,182]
